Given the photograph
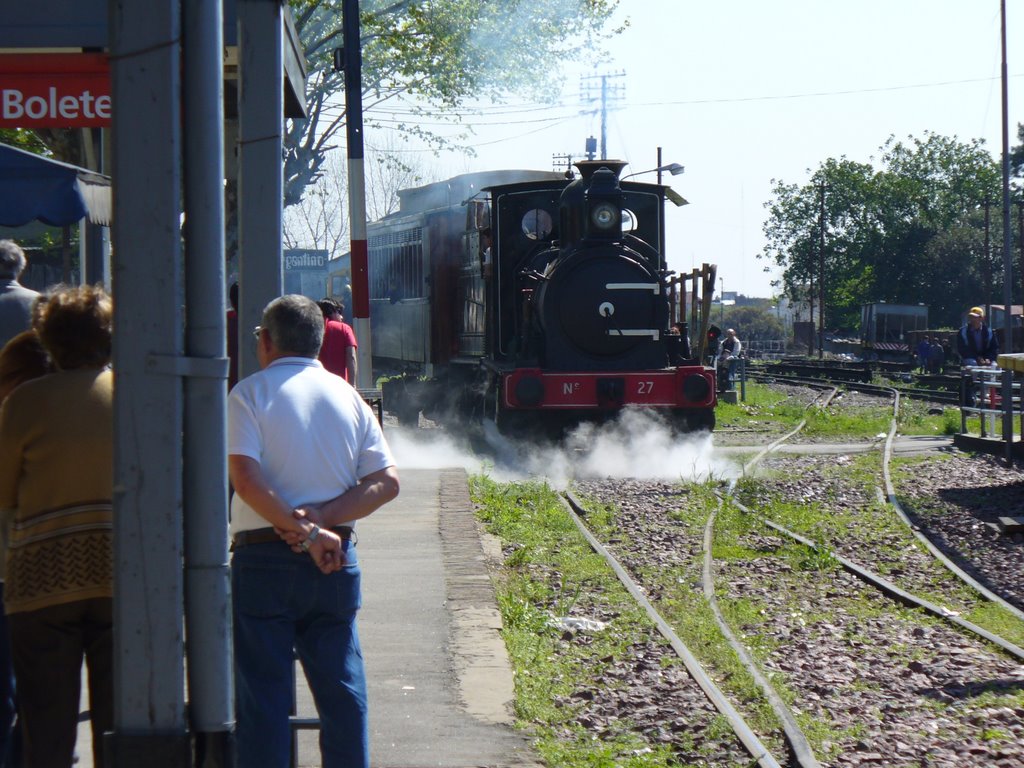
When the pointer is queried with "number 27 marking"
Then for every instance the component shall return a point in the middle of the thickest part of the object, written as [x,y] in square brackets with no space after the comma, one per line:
[644,387]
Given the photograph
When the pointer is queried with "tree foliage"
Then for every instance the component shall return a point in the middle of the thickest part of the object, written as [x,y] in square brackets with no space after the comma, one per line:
[23,139]
[320,219]
[1017,154]
[429,59]
[755,323]
[911,231]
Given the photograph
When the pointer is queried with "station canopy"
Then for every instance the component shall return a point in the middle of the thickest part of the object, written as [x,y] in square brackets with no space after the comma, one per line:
[33,187]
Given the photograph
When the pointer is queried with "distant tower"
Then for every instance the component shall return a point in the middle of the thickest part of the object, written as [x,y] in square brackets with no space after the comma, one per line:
[608,94]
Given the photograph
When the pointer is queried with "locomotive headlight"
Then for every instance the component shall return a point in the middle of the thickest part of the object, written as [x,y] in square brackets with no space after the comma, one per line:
[603,206]
[605,217]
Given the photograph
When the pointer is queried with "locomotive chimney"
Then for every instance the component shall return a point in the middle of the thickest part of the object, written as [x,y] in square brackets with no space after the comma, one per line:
[587,168]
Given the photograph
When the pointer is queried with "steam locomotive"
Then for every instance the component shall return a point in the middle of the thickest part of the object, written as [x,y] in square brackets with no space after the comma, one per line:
[530,298]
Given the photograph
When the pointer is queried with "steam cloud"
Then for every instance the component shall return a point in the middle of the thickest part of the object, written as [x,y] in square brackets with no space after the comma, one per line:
[636,445]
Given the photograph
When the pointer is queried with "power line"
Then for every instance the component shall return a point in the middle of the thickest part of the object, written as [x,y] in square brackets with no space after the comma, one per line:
[817,94]
[542,107]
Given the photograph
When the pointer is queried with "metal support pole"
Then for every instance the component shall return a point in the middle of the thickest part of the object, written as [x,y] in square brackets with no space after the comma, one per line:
[260,170]
[810,313]
[1020,242]
[207,583]
[357,190]
[149,708]
[1007,388]
[94,266]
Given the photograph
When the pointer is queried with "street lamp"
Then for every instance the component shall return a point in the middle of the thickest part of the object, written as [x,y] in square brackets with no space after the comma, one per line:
[674,168]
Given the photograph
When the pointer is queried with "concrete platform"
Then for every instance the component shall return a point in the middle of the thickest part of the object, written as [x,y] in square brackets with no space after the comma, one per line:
[440,680]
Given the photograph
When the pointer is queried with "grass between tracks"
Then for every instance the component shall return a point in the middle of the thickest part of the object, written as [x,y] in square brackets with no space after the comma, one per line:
[550,571]
[766,407]
[801,586]
[876,528]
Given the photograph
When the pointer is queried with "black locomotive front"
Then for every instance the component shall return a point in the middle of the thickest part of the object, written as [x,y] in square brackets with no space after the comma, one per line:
[599,303]
[582,306]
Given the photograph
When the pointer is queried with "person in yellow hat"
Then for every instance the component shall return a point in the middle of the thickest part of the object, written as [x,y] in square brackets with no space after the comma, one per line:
[975,343]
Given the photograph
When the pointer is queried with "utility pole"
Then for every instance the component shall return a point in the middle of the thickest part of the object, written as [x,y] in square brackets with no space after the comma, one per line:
[1007,388]
[821,270]
[810,313]
[1020,239]
[561,162]
[986,262]
[605,93]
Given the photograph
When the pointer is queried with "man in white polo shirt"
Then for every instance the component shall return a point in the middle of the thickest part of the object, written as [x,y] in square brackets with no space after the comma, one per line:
[306,458]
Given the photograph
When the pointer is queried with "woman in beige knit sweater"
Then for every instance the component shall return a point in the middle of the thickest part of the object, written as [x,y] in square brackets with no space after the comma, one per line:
[56,473]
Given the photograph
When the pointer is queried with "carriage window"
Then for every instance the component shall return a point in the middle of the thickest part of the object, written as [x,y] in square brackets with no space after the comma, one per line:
[537,224]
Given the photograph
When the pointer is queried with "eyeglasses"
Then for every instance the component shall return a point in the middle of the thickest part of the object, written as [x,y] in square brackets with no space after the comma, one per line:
[257,331]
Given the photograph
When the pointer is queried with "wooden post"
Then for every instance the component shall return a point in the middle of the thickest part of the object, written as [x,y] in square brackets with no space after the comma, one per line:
[708,272]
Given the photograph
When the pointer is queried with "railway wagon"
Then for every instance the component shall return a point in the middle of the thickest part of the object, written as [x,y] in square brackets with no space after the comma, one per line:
[886,329]
[530,298]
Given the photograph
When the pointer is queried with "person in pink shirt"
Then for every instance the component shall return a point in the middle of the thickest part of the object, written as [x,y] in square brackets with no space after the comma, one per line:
[338,352]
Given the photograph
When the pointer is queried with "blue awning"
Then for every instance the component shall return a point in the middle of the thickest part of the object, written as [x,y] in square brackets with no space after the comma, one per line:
[33,187]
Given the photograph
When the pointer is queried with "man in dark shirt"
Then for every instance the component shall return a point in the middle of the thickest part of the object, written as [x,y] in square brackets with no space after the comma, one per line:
[976,343]
[977,346]
[16,301]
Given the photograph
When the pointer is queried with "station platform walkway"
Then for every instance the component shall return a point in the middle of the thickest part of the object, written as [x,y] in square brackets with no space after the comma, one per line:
[440,683]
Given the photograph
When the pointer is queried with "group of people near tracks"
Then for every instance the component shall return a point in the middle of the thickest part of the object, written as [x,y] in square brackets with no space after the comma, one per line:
[932,353]
[306,459]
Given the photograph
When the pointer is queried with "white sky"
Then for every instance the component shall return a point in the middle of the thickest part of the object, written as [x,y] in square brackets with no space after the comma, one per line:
[751,90]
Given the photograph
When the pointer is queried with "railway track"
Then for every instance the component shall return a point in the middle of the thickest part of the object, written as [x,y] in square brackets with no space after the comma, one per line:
[827,375]
[841,674]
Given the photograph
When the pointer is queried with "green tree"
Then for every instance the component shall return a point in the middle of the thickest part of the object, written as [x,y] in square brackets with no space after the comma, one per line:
[23,139]
[793,231]
[1017,153]
[425,60]
[755,324]
[909,232]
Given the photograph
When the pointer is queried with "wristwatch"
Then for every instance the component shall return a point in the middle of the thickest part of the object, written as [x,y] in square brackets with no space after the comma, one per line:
[308,541]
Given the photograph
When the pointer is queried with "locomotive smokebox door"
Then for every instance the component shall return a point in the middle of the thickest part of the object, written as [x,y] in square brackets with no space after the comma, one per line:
[601,303]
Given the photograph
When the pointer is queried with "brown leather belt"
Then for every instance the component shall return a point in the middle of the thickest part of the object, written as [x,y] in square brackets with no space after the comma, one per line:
[267,535]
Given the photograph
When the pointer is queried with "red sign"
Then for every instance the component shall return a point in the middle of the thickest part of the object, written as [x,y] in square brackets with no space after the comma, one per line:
[54,90]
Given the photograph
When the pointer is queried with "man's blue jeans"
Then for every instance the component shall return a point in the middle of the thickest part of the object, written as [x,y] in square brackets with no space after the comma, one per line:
[281,602]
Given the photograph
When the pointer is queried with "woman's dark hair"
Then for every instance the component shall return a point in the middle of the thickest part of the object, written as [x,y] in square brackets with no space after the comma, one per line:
[22,359]
[330,307]
[75,325]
